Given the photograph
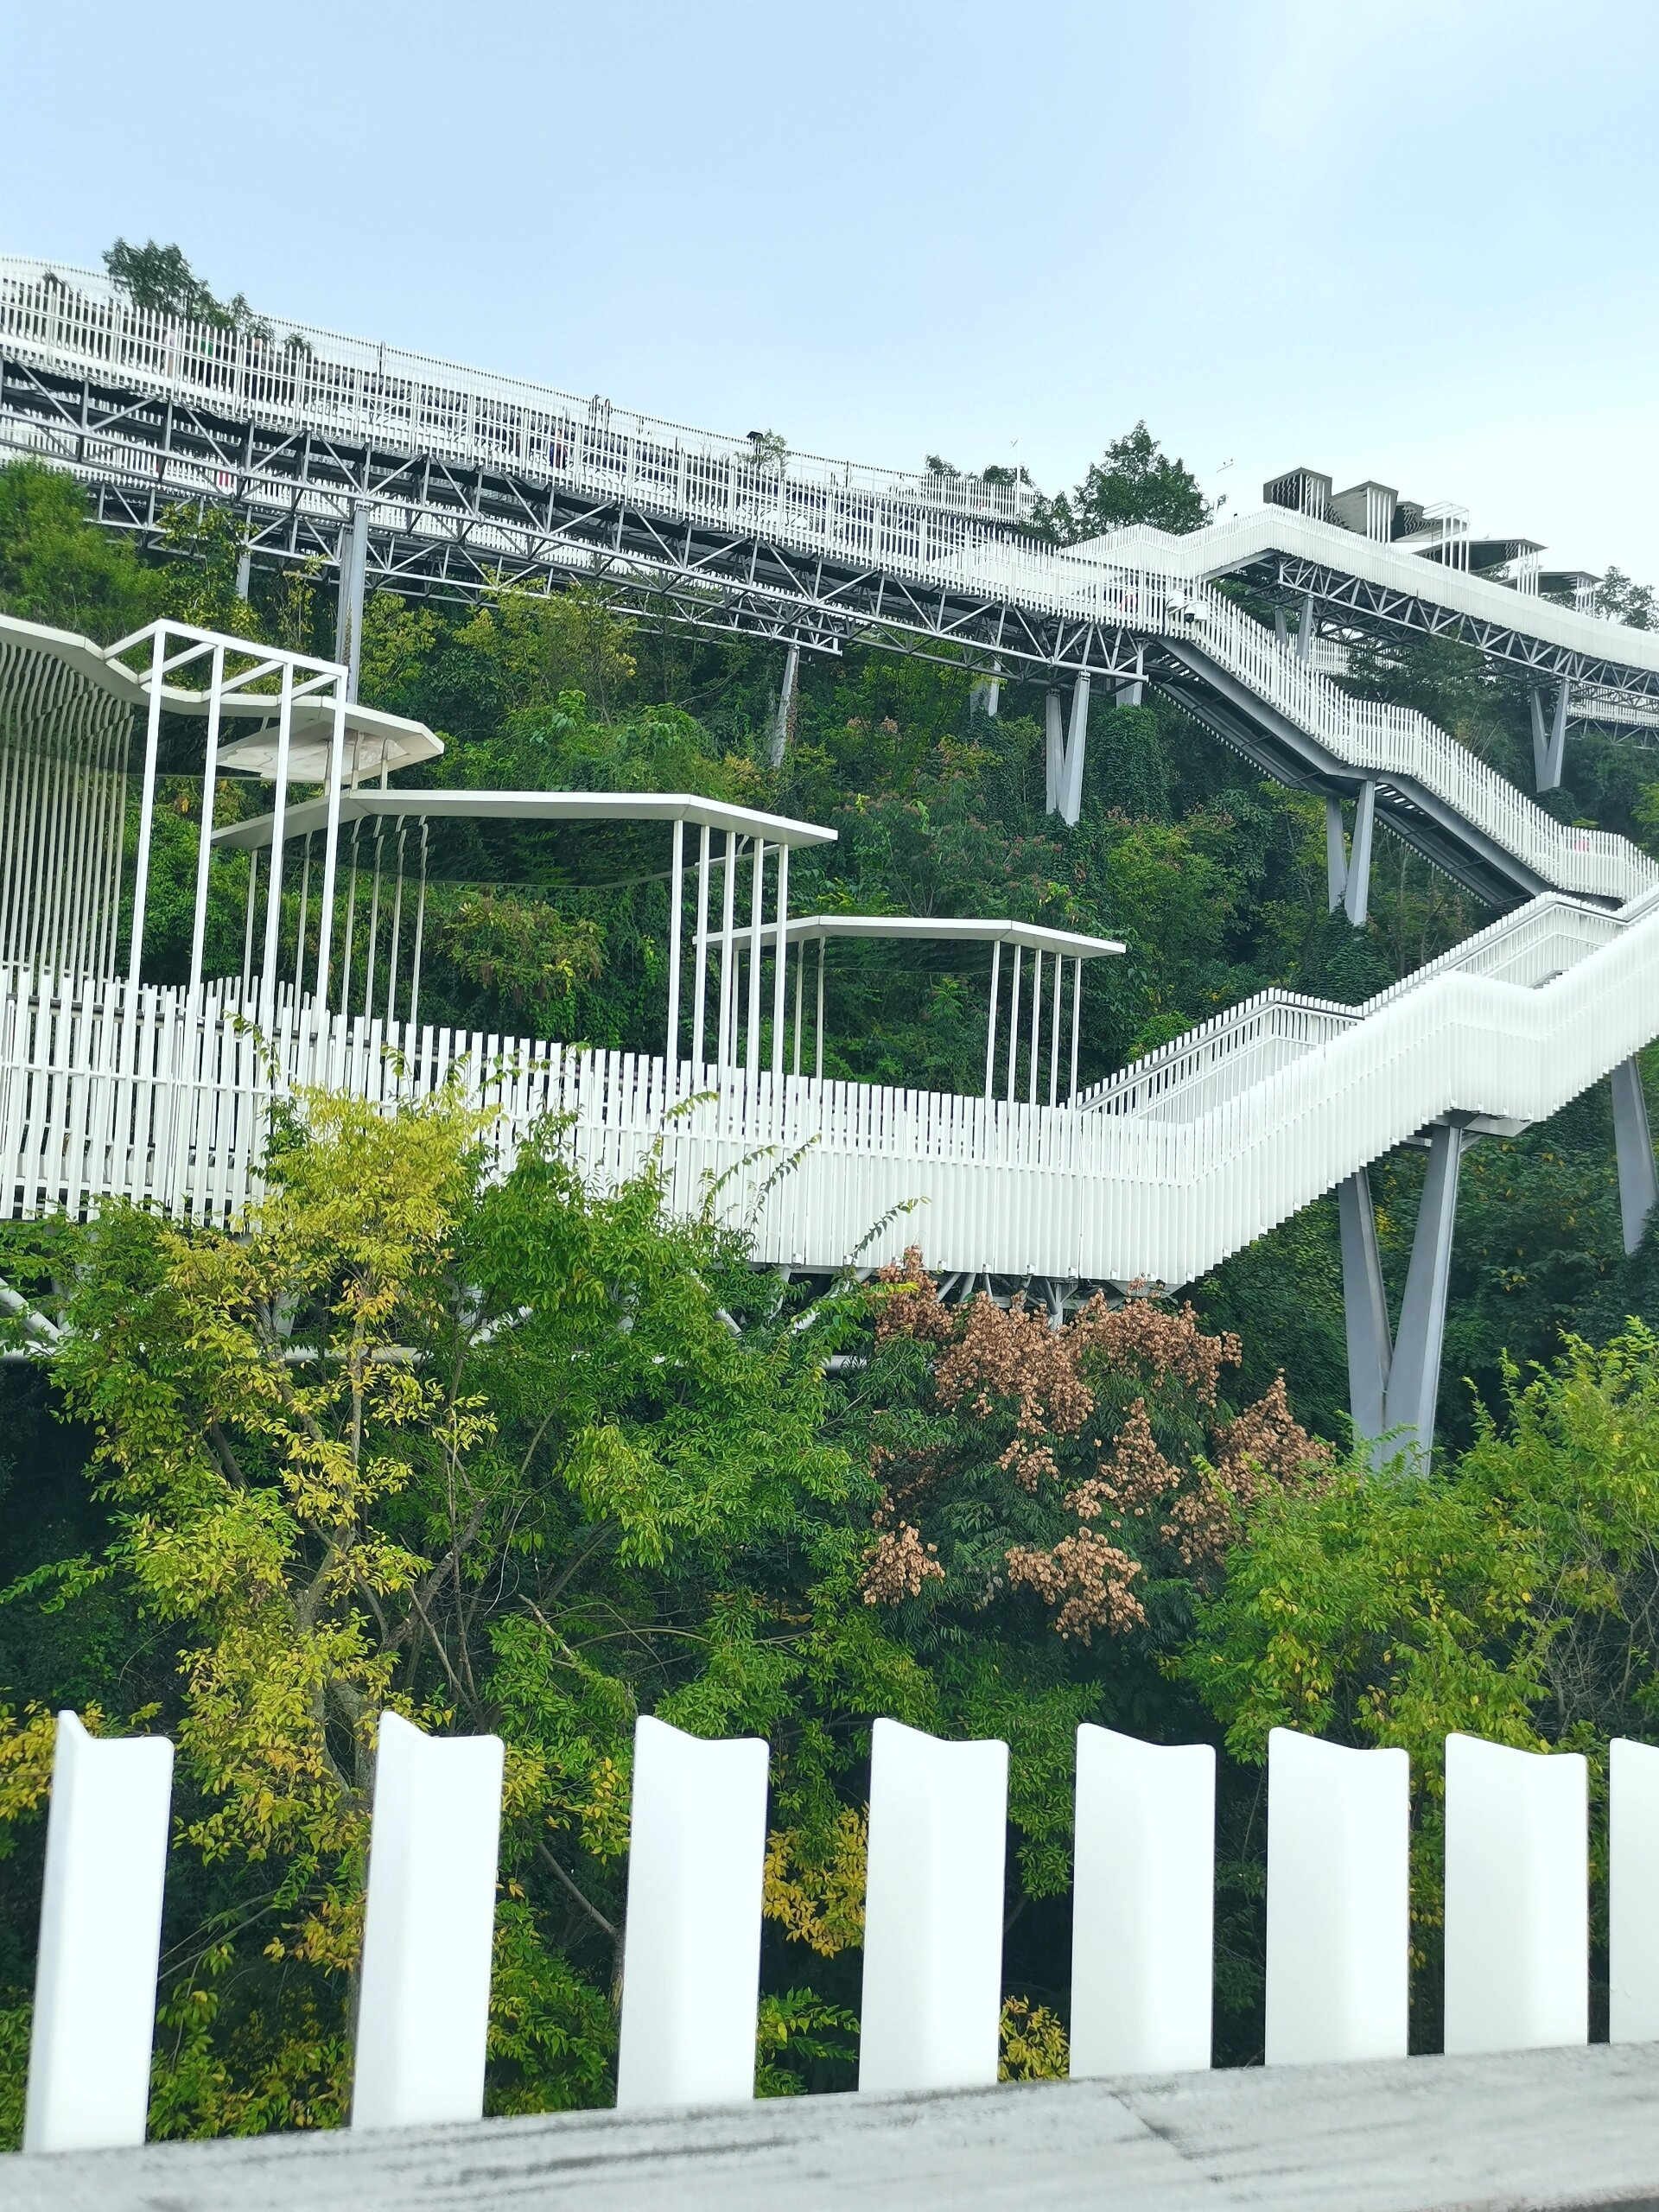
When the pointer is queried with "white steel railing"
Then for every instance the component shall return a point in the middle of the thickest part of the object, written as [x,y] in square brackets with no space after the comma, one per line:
[1516,1915]
[1366,736]
[1193,1073]
[158,1096]
[937,529]
[309,378]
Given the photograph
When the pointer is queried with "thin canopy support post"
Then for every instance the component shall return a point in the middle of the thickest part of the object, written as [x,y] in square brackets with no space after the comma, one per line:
[350,924]
[700,974]
[274,880]
[1054,1030]
[1014,1020]
[817,1068]
[723,1055]
[990,1019]
[205,836]
[779,966]
[146,814]
[299,934]
[396,929]
[1638,1183]
[757,908]
[800,987]
[1035,1053]
[676,901]
[247,931]
[1076,1022]
[420,940]
[331,855]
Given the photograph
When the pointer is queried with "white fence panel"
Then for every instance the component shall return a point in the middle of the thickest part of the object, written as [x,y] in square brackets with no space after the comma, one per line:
[1142,1905]
[100,1940]
[691,1971]
[1517,1872]
[424,2014]
[932,1911]
[1338,1901]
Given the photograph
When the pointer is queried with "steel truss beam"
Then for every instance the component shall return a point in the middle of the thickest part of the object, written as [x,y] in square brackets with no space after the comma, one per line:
[1383,608]
[434,529]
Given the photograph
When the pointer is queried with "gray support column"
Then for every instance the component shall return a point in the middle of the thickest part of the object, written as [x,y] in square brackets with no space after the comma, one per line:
[1132,693]
[1305,635]
[994,695]
[1365,1306]
[1336,856]
[1414,1371]
[1279,629]
[244,571]
[1053,752]
[1550,747]
[1357,892]
[1638,1183]
[354,586]
[783,720]
[1077,744]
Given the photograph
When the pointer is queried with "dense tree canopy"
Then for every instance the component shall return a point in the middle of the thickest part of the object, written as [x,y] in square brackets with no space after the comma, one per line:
[511,1453]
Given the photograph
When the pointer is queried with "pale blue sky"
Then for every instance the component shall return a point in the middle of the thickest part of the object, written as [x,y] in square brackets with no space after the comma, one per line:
[1379,236]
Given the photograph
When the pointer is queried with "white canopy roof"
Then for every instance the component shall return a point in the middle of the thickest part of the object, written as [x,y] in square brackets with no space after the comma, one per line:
[929,928]
[531,806]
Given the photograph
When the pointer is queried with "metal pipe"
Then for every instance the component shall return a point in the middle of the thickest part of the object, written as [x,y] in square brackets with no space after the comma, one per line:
[700,979]
[205,836]
[781,960]
[331,856]
[990,1017]
[146,813]
[1036,1022]
[420,938]
[722,1058]
[274,881]
[676,899]
[818,1067]
[1014,1020]
[757,903]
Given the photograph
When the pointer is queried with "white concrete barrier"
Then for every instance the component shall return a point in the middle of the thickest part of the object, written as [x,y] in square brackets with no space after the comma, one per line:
[1517,1933]
[1142,1905]
[692,1973]
[100,1940]
[424,2007]
[934,1911]
[1338,1901]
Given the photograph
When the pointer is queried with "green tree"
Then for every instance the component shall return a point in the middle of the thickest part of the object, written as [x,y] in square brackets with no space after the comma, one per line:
[59,567]
[1136,481]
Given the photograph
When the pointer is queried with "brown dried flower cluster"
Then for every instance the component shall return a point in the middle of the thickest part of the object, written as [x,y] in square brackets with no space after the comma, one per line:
[1002,1362]
[1088,1579]
[898,1564]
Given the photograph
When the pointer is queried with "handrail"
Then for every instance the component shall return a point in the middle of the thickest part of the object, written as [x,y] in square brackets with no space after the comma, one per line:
[325,381]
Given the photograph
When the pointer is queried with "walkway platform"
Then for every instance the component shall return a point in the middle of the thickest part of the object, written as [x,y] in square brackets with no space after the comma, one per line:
[1538,2130]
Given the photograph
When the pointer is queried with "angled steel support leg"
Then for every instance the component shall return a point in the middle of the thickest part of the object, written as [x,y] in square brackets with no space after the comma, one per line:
[1365,1306]
[1356,892]
[785,713]
[1305,634]
[1076,743]
[1638,1182]
[1550,747]
[1414,1371]
[354,586]
[1053,752]
[1336,856]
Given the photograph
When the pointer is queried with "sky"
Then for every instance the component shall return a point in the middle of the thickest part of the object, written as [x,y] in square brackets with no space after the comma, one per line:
[1390,238]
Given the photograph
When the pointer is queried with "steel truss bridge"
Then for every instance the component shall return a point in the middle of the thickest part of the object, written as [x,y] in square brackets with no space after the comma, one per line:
[426,477]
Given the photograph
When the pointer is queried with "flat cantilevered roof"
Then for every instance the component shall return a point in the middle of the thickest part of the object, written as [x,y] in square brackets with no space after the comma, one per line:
[1029,936]
[530,806]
